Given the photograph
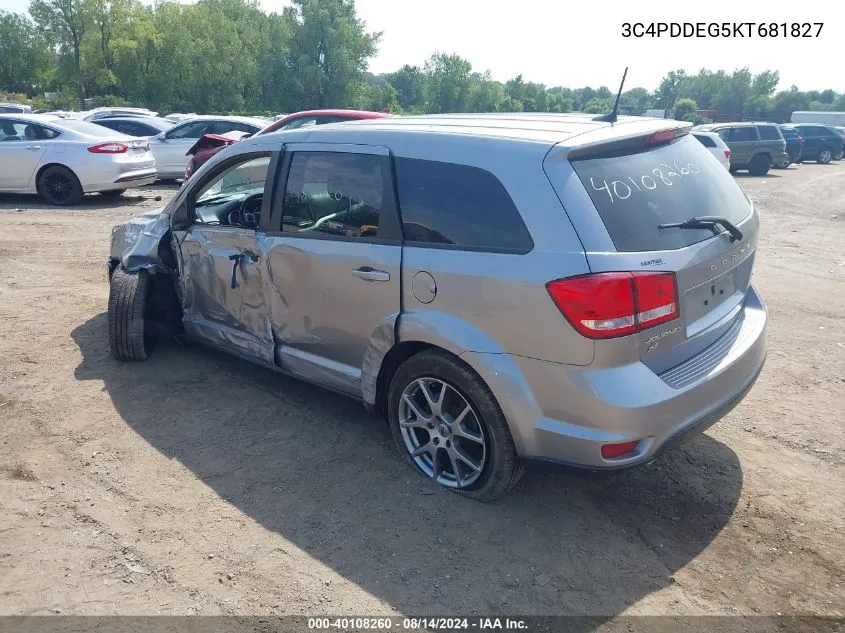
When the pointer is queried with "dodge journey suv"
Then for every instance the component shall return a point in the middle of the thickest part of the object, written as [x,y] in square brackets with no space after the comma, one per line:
[502,288]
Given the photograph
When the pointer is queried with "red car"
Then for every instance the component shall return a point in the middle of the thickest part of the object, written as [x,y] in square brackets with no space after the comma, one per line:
[210,144]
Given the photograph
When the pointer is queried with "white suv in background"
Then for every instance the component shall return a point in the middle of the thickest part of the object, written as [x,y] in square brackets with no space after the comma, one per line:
[716,146]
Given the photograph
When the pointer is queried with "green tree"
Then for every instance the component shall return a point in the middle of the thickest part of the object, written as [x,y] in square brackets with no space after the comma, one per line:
[328,51]
[598,106]
[670,89]
[449,83]
[787,102]
[410,85]
[686,109]
[65,22]
[23,53]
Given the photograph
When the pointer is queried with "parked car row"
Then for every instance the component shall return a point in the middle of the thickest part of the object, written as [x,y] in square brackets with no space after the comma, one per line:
[759,146]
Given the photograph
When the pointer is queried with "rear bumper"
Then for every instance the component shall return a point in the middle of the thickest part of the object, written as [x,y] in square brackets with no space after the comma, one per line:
[564,414]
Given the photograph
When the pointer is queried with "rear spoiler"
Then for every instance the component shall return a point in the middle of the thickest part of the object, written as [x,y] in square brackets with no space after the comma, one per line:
[627,144]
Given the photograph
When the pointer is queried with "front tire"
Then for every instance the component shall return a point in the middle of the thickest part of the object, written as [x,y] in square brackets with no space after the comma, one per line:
[447,424]
[59,186]
[825,156]
[759,165]
[129,335]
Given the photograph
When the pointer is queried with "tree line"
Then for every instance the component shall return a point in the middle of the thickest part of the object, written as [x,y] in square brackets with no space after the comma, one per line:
[218,56]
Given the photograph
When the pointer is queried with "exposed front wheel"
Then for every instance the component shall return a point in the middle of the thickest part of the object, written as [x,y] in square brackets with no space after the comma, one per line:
[130,338]
[446,422]
[59,185]
[759,165]
[825,156]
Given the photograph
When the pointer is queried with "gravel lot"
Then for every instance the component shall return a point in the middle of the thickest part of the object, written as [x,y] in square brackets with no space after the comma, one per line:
[196,483]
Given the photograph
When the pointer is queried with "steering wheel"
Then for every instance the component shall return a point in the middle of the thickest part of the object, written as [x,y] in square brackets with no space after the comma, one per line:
[242,216]
[354,205]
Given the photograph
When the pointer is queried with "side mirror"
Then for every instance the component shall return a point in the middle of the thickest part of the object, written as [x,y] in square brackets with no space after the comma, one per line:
[160,137]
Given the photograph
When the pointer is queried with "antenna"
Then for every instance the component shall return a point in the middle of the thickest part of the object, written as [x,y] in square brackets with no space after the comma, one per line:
[610,117]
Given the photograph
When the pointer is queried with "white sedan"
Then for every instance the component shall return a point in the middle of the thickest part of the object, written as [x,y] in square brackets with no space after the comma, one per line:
[170,148]
[714,143]
[63,159]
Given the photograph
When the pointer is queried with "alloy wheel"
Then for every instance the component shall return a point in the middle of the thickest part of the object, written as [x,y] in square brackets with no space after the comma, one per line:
[442,432]
[58,186]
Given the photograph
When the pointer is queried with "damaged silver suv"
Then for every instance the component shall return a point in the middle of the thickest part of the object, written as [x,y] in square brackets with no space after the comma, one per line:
[504,288]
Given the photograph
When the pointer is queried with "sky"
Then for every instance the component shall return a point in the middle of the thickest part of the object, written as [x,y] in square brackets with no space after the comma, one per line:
[561,43]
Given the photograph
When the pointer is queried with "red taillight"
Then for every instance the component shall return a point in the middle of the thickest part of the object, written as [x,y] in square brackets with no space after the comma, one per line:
[609,451]
[108,148]
[663,136]
[607,305]
[727,153]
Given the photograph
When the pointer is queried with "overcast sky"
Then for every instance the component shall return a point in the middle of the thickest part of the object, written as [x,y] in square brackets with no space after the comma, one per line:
[561,43]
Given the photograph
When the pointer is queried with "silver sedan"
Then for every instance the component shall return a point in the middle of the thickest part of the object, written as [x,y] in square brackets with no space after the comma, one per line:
[63,159]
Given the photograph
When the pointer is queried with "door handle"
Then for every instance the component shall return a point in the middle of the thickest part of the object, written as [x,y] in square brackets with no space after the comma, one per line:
[33,147]
[370,274]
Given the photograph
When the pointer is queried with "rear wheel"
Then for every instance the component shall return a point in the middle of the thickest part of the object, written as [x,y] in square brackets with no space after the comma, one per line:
[59,185]
[825,156]
[759,165]
[130,337]
[446,423]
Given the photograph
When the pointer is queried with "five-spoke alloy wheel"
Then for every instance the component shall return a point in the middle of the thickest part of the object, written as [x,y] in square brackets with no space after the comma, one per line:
[447,423]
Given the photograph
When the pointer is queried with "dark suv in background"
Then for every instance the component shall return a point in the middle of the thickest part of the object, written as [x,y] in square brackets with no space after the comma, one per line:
[794,145]
[822,143]
[754,146]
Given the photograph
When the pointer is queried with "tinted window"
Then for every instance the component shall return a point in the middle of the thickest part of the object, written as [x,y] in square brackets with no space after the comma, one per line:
[741,134]
[635,193]
[23,131]
[444,203]
[768,133]
[83,127]
[194,129]
[789,132]
[813,130]
[221,127]
[302,122]
[705,140]
[336,193]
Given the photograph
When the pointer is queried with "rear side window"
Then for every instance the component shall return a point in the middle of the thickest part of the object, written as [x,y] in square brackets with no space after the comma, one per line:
[705,140]
[634,193]
[340,194]
[768,133]
[788,132]
[741,134]
[458,205]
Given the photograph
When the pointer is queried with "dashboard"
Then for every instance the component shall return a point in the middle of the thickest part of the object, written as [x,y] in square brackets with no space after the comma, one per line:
[242,211]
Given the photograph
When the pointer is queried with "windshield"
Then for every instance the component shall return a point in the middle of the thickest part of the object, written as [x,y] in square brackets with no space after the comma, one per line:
[245,177]
[634,193]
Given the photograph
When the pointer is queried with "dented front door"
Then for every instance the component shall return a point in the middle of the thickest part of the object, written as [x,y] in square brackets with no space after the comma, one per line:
[223,284]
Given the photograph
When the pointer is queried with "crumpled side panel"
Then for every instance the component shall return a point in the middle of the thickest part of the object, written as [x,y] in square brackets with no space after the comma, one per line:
[381,342]
[136,242]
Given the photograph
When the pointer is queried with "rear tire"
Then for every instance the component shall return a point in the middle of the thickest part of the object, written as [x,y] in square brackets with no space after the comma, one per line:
[825,156]
[129,335]
[500,468]
[59,186]
[759,165]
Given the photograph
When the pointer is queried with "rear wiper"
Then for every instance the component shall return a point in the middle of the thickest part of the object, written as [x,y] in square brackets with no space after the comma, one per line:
[706,222]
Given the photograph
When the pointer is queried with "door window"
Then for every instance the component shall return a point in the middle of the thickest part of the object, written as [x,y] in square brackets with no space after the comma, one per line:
[22,131]
[768,133]
[221,127]
[233,197]
[742,134]
[194,129]
[334,193]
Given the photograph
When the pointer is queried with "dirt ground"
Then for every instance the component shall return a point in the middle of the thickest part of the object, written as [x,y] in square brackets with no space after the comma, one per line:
[194,483]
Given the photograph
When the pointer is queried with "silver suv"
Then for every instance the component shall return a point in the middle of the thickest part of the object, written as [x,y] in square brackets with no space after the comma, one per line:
[504,288]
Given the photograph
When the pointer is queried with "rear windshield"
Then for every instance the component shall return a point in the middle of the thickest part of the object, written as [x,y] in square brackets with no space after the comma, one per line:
[634,193]
[707,141]
[84,127]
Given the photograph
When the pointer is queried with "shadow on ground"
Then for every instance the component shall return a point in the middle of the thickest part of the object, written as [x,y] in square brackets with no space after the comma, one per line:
[160,191]
[323,474]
